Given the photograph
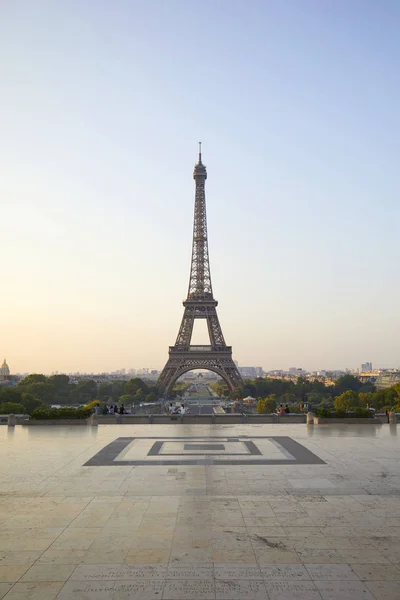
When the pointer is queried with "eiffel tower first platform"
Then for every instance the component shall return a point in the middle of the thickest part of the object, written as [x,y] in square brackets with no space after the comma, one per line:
[200,304]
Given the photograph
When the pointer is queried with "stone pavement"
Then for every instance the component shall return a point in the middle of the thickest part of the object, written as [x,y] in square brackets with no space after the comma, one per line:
[200,512]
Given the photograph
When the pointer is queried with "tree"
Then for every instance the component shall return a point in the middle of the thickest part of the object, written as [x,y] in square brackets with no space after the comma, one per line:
[7,408]
[367,387]
[220,388]
[44,391]
[126,399]
[366,399]
[265,386]
[151,397]
[287,398]
[30,402]
[347,401]
[139,396]
[315,398]
[11,394]
[385,397]
[117,389]
[347,382]
[33,378]
[237,392]
[105,390]
[62,389]
[249,389]
[84,391]
[59,381]
[131,386]
[267,405]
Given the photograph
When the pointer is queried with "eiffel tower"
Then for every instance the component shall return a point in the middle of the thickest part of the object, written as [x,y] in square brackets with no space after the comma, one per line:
[200,304]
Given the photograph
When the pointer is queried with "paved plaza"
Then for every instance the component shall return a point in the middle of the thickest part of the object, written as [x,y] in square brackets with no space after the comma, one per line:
[200,512]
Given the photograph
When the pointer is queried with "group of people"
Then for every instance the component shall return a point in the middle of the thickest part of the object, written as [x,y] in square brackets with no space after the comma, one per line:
[110,410]
[284,409]
[177,410]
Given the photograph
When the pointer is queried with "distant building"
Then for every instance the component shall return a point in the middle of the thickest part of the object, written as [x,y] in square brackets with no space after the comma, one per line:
[386,380]
[298,371]
[4,372]
[367,366]
[189,375]
[250,372]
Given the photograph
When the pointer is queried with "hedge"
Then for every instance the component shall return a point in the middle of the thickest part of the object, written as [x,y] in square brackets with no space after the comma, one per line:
[357,413]
[61,413]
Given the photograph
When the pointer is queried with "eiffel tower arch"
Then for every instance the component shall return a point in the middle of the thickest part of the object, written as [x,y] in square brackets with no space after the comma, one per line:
[200,304]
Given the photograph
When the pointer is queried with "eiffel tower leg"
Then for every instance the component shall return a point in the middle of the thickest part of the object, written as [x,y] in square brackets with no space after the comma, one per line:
[168,376]
[186,328]
[214,328]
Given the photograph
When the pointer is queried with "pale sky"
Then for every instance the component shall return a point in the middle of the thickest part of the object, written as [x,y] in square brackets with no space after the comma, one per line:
[102,106]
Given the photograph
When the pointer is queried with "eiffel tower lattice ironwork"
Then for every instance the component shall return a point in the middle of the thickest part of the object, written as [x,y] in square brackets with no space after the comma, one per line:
[200,304]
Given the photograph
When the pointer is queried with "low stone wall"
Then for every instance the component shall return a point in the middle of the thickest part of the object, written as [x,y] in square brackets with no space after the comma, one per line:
[262,418]
[133,419]
[229,418]
[292,418]
[382,418]
[19,419]
[124,419]
[34,422]
[159,419]
[323,421]
[218,419]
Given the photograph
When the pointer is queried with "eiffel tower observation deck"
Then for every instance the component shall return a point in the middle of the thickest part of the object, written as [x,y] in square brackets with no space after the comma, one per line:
[200,304]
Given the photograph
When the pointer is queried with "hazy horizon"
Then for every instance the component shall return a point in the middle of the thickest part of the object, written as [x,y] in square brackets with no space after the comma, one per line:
[102,108]
[127,369]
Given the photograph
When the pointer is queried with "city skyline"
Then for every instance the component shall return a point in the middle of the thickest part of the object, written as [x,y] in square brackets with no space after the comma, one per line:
[296,107]
[154,371]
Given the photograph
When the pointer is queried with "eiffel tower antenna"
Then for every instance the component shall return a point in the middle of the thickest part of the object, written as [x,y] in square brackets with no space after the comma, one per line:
[200,304]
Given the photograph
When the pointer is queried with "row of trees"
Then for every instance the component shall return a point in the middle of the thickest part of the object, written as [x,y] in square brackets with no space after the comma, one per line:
[290,392]
[388,398]
[37,390]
